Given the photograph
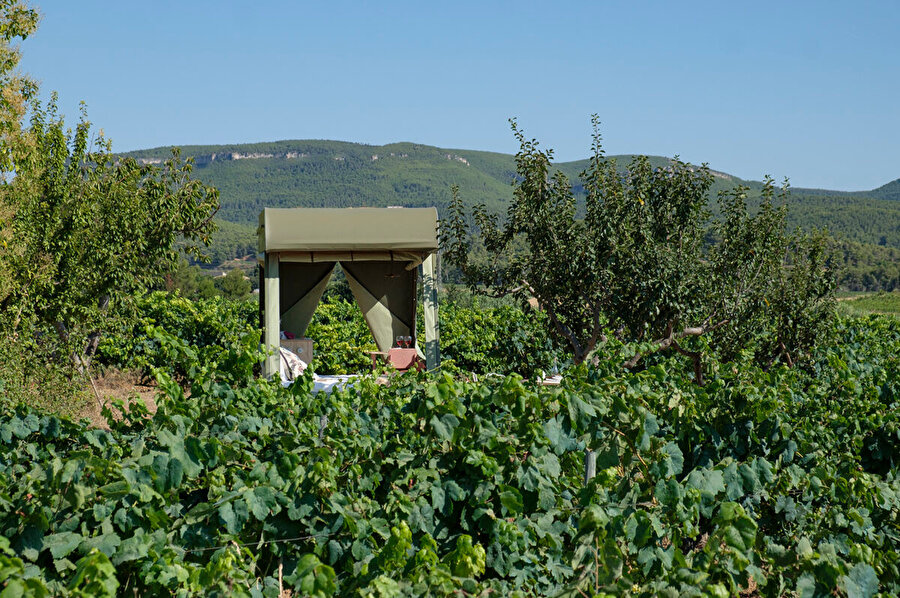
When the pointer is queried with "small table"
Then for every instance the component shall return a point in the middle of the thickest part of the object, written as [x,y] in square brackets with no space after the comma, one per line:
[376,355]
[401,359]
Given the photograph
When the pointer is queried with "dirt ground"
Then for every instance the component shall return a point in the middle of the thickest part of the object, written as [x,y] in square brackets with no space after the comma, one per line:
[123,385]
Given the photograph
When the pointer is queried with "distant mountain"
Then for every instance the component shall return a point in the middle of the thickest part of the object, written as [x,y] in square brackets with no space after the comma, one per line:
[336,174]
[341,174]
[891,191]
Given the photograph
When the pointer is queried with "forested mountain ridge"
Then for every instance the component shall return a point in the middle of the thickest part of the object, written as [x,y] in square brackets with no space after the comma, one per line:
[321,173]
[889,191]
[317,173]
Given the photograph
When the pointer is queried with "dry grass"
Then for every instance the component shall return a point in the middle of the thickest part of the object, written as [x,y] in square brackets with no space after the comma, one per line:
[752,590]
[114,384]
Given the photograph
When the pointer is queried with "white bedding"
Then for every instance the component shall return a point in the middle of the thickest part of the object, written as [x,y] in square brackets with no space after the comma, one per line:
[327,384]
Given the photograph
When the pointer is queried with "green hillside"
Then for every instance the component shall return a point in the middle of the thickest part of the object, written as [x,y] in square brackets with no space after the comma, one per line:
[340,174]
[890,191]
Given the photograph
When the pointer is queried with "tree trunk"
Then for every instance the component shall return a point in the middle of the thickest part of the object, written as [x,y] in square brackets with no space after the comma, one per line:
[698,361]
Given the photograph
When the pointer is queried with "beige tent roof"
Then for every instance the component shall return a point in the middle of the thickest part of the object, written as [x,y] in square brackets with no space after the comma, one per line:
[348,229]
[381,251]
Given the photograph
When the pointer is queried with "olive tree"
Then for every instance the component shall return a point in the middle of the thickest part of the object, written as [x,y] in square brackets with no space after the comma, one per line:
[634,261]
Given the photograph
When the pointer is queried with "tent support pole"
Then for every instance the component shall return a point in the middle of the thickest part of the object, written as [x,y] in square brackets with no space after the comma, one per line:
[272,322]
[432,328]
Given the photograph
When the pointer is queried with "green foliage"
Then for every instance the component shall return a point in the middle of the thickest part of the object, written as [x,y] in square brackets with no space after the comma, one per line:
[17,22]
[433,486]
[500,340]
[235,285]
[869,267]
[638,263]
[777,290]
[89,231]
[80,230]
[865,217]
[338,287]
[889,191]
[176,334]
[96,226]
[336,174]
[13,580]
[231,240]
[191,281]
[342,338]
[881,303]
[419,175]
[94,576]
[23,373]
[165,327]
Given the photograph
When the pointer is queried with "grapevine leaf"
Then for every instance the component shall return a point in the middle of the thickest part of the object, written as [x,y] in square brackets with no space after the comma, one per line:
[438,497]
[30,542]
[133,548]
[454,490]
[511,499]
[668,492]
[550,466]
[105,543]
[806,586]
[226,514]
[444,425]
[62,544]
[861,582]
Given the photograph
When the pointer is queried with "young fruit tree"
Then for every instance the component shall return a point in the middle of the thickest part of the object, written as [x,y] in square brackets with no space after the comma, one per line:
[17,22]
[90,229]
[635,260]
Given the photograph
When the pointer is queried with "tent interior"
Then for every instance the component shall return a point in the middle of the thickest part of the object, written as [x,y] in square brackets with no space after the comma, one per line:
[382,252]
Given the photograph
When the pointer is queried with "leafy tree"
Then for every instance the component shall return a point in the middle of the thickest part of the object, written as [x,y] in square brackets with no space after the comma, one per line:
[98,228]
[235,285]
[637,262]
[338,287]
[17,22]
[79,228]
[185,279]
[206,287]
[193,282]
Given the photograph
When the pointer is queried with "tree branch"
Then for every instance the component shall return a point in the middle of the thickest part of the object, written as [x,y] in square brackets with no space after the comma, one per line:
[696,356]
[671,337]
[570,336]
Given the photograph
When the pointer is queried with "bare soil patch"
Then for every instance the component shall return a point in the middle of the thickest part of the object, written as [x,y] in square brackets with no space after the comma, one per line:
[126,386]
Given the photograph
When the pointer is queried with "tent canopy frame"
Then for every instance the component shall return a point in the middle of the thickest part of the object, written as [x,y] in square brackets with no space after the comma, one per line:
[382,251]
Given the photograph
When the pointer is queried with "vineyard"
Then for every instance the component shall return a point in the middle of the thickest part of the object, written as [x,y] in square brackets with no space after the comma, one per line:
[778,482]
[646,385]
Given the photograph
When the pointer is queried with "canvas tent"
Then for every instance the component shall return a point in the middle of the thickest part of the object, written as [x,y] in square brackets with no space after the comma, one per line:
[381,251]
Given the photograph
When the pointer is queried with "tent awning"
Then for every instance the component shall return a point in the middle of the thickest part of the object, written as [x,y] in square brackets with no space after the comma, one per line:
[348,230]
[381,251]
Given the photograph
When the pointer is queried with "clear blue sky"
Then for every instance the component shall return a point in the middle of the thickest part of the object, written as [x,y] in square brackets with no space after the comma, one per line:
[809,90]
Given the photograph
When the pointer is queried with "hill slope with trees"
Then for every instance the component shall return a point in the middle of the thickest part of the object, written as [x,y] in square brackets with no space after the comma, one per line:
[316,173]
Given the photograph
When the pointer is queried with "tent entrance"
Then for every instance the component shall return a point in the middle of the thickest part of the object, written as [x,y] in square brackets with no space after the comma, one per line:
[382,271]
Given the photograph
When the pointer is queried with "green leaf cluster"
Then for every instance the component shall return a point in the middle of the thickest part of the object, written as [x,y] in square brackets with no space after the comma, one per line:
[782,479]
[639,264]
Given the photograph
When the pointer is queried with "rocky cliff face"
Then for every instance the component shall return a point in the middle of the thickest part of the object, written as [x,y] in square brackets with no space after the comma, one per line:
[201,160]
[204,159]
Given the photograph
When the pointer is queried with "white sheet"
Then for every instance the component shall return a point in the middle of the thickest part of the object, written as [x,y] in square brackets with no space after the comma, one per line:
[327,384]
